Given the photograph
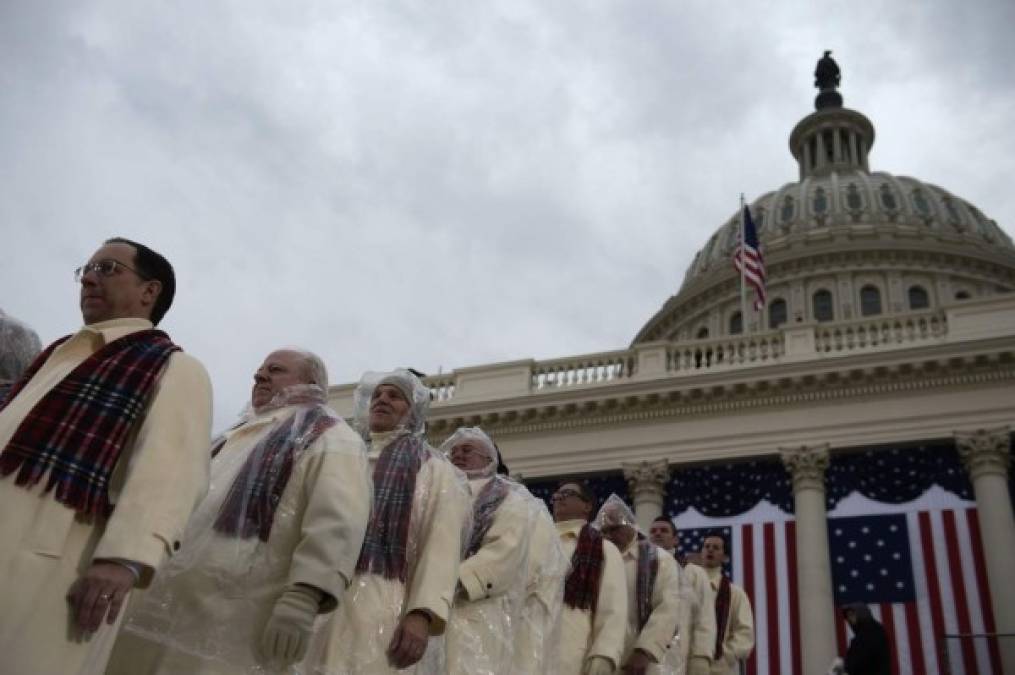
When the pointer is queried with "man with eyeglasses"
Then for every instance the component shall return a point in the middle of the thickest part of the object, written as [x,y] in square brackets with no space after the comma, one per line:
[103,456]
[491,578]
[593,623]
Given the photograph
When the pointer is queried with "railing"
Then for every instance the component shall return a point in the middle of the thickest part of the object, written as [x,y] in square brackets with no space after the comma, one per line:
[961,650]
[725,353]
[442,387]
[583,370]
[880,332]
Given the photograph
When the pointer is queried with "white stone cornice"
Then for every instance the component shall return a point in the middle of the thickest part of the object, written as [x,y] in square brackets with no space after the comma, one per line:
[807,465]
[985,451]
[646,477]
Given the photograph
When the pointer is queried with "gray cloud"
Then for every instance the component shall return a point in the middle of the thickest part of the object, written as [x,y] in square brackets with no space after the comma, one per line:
[443,183]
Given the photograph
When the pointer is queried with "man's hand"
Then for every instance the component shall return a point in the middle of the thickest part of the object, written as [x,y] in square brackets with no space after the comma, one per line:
[638,663]
[409,641]
[598,665]
[98,593]
[699,665]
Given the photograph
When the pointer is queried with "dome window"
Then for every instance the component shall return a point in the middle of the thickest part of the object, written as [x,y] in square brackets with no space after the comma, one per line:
[921,203]
[953,213]
[870,301]
[821,304]
[962,295]
[918,298]
[703,333]
[788,207]
[853,199]
[820,201]
[888,198]
[776,313]
[736,323]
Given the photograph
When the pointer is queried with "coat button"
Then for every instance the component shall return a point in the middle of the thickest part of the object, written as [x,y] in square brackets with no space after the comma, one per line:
[489,586]
[176,546]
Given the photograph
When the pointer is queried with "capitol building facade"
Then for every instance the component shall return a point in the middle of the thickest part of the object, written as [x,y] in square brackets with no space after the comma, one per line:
[873,390]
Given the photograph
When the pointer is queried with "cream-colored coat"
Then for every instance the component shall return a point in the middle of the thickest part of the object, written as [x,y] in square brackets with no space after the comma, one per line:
[656,636]
[536,638]
[160,477]
[582,633]
[365,623]
[738,642]
[220,601]
[696,627]
[481,630]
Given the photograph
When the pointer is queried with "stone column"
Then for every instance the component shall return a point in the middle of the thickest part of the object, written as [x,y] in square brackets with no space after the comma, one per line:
[814,570]
[646,482]
[986,454]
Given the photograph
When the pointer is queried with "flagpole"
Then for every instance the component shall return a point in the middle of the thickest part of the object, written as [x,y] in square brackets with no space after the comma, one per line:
[743,268]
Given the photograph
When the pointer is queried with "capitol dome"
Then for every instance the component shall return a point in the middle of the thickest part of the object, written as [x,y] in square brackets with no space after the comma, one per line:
[841,243]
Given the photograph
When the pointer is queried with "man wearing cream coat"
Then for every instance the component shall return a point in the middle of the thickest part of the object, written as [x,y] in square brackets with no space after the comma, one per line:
[695,627]
[653,590]
[491,578]
[732,609]
[397,607]
[593,623]
[96,509]
[272,546]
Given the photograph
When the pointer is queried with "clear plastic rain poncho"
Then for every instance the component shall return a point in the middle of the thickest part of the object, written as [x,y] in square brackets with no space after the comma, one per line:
[615,513]
[538,635]
[413,546]
[491,590]
[19,345]
[212,599]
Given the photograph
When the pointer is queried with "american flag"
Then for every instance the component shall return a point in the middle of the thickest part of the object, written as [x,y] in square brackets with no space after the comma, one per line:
[919,567]
[750,250]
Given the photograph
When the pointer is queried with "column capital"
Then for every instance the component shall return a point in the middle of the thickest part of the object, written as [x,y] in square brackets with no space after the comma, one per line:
[806,464]
[646,476]
[984,451]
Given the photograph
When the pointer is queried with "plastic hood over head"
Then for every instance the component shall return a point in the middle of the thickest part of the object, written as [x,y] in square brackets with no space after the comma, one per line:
[615,512]
[414,391]
[478,438]
[19,345]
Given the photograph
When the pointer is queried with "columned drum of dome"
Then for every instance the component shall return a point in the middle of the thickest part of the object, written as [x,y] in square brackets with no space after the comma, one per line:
[839,216]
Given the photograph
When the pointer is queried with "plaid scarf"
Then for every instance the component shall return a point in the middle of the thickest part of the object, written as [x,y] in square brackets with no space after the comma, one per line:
[249,507]
[648,568]
[722,614]
[78,429]
[487,502]
[581,588]
[386,542]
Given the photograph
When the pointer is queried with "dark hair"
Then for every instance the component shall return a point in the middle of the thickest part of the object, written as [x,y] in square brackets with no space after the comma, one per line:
[153,266]
[862,611]
[664,519]
[718,534]
[585,493]
[502,468]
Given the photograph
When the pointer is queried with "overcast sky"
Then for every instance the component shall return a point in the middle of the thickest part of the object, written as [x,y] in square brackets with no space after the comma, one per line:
[445,184]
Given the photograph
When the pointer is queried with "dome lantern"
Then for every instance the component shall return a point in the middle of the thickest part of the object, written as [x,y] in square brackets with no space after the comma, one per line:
[832,138]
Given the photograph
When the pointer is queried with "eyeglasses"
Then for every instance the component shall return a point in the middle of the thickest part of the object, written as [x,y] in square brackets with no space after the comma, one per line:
[104,268]
[565,493]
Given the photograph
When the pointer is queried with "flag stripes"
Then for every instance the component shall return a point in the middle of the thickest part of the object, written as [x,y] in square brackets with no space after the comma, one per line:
[949,593]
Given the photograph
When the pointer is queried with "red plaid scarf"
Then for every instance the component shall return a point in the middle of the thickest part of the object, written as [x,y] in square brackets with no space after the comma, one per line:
[249,507]
[722,614]
[487,502]
[386,542]
[645,582]
[78,429]
[581,588]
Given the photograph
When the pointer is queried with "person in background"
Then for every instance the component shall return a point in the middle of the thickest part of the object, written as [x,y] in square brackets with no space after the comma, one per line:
[270,548]
[400,599]
[593,624]
[734,636]
[19,345]
[869,651]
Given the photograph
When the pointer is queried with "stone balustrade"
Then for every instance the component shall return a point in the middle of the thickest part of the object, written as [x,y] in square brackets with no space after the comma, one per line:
[987,318]
[881,331]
